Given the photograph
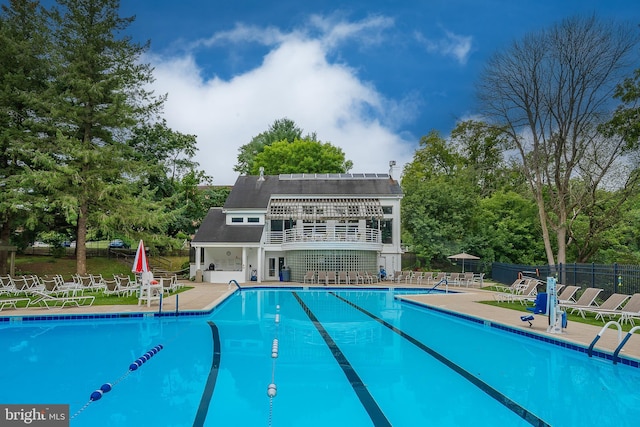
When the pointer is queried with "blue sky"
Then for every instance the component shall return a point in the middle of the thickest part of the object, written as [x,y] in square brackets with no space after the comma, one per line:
[369,76]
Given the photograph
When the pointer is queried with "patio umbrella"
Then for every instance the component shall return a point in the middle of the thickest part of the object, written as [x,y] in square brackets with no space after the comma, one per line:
[140,263]
[462,256]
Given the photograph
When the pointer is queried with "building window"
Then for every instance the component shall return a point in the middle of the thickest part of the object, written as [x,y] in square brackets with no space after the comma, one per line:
[237,219]
[253,219]
[386,229]
[353,210]
[387,210]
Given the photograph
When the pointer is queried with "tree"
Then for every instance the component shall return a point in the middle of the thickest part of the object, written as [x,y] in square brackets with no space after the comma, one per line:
[25,75]
[440,203]
[97,98]
[550,91]
[172,173]
[481,147]
[300,156]
[509,230]
[281,130]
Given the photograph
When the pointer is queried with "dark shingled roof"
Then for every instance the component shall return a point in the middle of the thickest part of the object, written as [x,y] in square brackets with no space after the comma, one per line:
[250,192]
[214,229]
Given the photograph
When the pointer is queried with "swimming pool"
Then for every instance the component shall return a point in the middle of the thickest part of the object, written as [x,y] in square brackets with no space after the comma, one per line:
[345,358]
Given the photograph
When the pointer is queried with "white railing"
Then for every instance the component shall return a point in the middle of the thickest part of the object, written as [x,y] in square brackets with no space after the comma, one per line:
[336,234]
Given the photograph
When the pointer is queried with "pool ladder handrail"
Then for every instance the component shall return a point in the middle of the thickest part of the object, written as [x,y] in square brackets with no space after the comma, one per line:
[446,282]
[236,283]
[623,342]
[604,328]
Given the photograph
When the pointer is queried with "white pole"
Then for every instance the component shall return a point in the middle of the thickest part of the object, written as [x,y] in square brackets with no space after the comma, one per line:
[555,313]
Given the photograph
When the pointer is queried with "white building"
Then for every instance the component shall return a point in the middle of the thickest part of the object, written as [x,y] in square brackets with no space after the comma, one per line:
[304,222]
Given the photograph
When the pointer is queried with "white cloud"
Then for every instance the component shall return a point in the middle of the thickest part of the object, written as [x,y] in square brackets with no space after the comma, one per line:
[294,80]
[457,46]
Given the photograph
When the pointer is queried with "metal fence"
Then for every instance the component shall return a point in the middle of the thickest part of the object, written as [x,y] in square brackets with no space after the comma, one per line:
[613,278]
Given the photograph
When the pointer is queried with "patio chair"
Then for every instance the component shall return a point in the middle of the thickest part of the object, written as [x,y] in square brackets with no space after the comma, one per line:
[611,304]
[169,284]
[568,293]
[524,295]
[96,281]
[12,302]
[49,301]
[408,276]
[438,277]
[88,283]
[126,285]
[631,310]
[417,277]
[425,278]
[453,279]
[309,277]
[514,288]
[468,279]
[354,278]
[322,277]
[331,277]
[342,277]
[368,277]
[21,285]
[7,286]
[587,299]
[111,287]
[50,285]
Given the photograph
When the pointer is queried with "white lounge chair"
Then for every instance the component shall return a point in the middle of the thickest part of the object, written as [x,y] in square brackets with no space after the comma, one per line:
[568,294]
[7,286]
[524,295]
[12,302]
[586,300]
[126,285]
[49,301]
[631,310]
[514,288]
[610,305]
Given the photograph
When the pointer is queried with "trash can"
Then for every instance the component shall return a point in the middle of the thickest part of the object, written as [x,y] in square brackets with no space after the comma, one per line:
[286,274]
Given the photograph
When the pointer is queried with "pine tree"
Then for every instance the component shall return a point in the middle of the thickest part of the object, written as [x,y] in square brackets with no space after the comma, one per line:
[97,98]
[25,75]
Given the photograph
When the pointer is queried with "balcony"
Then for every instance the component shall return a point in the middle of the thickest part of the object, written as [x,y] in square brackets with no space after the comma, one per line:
[339,237]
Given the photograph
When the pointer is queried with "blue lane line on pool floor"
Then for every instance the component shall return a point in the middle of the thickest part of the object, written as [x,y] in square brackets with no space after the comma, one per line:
[370,405]
[203,409]
[519,410]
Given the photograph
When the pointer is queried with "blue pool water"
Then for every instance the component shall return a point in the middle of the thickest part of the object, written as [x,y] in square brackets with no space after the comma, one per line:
[344,359]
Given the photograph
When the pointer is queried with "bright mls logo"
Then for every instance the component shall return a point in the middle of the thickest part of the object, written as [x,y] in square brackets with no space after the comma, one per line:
[36,415]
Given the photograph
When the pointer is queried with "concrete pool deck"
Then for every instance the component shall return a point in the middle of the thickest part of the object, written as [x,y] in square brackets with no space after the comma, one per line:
[205,296]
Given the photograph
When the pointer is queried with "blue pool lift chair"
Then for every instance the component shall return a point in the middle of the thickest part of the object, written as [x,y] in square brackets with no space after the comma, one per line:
[540,307]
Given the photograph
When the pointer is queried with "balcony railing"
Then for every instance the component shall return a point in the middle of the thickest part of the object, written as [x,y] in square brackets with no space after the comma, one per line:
[337,234]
